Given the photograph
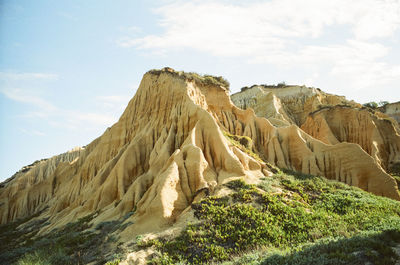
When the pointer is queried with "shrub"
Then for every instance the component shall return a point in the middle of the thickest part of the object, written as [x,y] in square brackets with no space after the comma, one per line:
[71,244]
[372,105]
[308,209]
[200,79]
[244,143]
[35,258]
[281,84]
[113,262]
[382,103]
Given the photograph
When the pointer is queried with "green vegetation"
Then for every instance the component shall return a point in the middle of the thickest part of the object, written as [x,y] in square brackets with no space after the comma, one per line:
[113,262]
[244,143]
[74,243]
[395,169]
[299,214]
[376,247]
[372,105]
[289,218]
[198,78]
[397,179]
[279,85]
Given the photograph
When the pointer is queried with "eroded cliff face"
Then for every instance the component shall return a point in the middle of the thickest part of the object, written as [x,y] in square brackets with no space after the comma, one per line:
[294,103]
[168,149]
[375,134]
[28,190]
[329,118]
[392,110]
[165,151]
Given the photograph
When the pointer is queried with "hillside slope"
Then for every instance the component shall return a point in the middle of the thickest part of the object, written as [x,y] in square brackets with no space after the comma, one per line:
[329,118]
[179,140]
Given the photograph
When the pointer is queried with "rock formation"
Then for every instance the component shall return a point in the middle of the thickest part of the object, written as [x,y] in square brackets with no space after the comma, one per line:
[288,103]
[329,118]
[169,148]
[392,110]
[29,189]
[376,135]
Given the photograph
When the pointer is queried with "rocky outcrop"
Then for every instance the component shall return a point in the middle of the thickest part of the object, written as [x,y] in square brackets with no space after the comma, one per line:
[295,102]
[29,189]
[329,118]
[376,135]
[165,150]
[168,149]
[392,110]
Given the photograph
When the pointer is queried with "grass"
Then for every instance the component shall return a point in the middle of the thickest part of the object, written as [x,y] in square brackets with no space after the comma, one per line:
[376,247]
[75,243]
[397,179]
[289,218]
[192,76]
[309,215]
[244,143]
[395,169]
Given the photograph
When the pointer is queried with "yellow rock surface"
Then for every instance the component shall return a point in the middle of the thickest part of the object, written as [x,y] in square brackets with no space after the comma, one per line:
[165,150]
[295,102]
[374,133]
[329,118]
[168,150]
[392,110]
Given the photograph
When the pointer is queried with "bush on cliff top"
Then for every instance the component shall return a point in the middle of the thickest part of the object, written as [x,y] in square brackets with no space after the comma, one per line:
[198,78]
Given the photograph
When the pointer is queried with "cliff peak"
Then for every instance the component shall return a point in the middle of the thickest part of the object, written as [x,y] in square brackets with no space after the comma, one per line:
[181,139]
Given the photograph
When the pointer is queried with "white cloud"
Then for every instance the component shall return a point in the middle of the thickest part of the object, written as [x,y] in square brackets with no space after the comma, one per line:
[32,132]
[130,29]
[68,16]
[78,117]
[113,101]
[9,76]
[56,116]
[17,86]
[226,29]
[21,95]
[285,34]
[134,29]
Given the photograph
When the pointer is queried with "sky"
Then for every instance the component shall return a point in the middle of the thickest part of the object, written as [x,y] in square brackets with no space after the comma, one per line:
[69,68]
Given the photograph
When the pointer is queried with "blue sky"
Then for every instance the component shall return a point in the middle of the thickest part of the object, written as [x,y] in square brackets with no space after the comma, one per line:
[69,68]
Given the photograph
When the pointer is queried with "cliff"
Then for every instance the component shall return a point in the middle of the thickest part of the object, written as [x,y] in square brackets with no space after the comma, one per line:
[329,118]
[168,148]
[295,102]
[392,110]
[181,139]
[375,134]
[165,150]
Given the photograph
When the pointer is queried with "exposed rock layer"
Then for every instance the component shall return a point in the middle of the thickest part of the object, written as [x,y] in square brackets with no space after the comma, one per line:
[376,135]
[392,110]
[329,118]
[295,102]
[168,150]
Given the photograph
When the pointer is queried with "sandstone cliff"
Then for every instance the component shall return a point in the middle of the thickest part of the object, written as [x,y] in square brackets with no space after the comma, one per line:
[376,135]
[392,110]
[30,189]
[329,118]
[168,149]
[295,102]
[165,150]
